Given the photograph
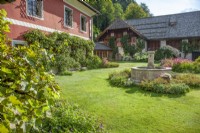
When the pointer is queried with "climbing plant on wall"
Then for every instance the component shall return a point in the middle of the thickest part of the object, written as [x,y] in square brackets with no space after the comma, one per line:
[67,51]
[128,49]
[113,46]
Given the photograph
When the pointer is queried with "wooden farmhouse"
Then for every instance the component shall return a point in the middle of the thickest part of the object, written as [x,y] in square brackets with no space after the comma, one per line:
[156,31]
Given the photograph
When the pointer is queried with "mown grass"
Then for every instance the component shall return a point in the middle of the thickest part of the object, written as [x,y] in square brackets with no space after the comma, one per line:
[131,110]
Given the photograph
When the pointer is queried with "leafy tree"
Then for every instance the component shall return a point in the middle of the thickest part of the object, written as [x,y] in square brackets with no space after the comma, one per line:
[96,32]
[6,1]
[118,13]
[26,90]
[106,9]
[134,11]
[124,3]
[146,9]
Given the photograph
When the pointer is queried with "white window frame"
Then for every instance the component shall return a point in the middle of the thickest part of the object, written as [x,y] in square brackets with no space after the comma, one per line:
[90,28]
[125,33]
[112,34]
[68,26]
[14,42]
[85,24]
[42,17]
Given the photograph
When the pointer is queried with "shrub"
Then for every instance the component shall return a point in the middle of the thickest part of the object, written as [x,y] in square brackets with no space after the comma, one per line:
[141,57]
[110,65]
[183,67]
[94,62]
[189,79]
[127,58]
[173,61]
[66,73]
[26,90]
[67,51]
[164,87]
[197,65]
[121,79]
[69,118]
[187,66]
[166,52]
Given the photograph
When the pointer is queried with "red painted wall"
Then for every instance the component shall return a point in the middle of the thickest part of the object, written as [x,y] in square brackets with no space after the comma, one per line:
[53,14]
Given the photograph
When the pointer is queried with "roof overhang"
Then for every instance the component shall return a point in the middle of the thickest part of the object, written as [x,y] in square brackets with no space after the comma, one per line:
[83,7]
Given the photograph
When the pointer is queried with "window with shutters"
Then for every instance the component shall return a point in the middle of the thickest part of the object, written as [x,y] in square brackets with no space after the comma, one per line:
[35,8]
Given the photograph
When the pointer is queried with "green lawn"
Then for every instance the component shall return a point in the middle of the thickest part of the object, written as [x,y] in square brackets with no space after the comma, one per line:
[130,110]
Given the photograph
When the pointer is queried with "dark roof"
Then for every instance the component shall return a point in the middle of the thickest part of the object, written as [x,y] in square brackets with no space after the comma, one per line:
[89,6]
[119,24]
[181,25]
[101,46]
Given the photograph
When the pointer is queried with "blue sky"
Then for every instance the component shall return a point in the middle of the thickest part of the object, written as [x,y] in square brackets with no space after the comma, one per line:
[163,7]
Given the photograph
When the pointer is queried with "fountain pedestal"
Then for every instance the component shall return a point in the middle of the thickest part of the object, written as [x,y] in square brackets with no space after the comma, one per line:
[151,60]
[148,73]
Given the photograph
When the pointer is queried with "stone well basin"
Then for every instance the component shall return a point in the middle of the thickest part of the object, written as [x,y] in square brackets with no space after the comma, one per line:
[141,73]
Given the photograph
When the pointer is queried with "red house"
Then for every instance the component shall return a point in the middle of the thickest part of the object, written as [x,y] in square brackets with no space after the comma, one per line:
[71,16]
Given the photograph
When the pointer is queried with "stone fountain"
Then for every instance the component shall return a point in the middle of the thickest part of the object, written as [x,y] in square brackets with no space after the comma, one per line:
[148,73]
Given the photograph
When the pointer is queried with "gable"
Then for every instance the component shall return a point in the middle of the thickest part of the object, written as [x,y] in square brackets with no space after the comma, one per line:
[82,7]
[118,25]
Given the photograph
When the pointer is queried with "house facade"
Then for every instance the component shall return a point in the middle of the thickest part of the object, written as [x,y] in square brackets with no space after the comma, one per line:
[70,16]
[157,31]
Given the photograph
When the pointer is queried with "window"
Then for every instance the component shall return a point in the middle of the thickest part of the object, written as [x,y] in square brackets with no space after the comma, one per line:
[124,33]
[18,43]
[68,18]
[83,23]
[34,8]
[112,34]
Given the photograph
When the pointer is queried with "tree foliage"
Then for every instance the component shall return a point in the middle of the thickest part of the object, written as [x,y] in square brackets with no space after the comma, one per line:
[124,3]
[113,9]
[118,13]
[134,11]
[146,9]
[106,9]
[26,90]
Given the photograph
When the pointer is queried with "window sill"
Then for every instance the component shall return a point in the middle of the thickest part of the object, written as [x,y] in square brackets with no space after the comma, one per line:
[83,31]
[69,27]
[42,18]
